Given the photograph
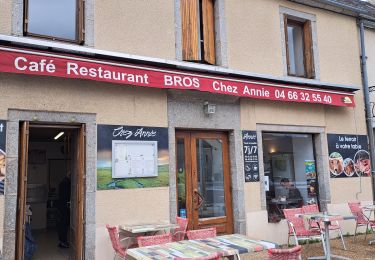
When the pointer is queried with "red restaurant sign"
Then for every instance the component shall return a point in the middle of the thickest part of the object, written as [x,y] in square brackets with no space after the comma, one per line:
[48,64]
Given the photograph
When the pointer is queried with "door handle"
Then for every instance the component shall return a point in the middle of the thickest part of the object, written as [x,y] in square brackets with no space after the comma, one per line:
[198,199]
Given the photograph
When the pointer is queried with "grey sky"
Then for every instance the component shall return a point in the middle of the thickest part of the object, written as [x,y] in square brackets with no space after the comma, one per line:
[53,18]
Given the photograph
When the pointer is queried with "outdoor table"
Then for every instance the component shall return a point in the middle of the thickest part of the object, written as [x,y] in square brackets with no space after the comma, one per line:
[370,208]
[227,245]
[147,228]
[134,231]
[326,219]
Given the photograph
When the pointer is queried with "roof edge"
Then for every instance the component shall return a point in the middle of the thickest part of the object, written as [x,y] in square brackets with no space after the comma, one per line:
[337,7]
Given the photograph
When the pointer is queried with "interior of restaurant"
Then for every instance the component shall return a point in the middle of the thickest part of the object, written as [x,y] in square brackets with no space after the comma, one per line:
[48,194]
[209,178]
[290,172]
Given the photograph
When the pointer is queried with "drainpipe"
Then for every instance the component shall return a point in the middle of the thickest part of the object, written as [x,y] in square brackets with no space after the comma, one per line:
[366,94]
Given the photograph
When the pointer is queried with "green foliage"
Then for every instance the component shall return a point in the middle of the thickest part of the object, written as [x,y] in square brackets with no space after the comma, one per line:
[105,181]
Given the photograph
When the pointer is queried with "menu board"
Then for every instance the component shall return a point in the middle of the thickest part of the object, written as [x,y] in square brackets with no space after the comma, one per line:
[134,159]
[250,154]
[131,157]
[348,156]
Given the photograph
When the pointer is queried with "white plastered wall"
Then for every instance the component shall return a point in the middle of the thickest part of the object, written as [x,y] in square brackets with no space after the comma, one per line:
[113,104]
[349,189]
[257,47]
[139,27]
[337,65]
[128,206]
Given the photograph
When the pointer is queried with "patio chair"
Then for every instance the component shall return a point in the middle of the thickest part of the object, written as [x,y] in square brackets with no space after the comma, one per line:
[154,240]
[313,208]
[362,219]
[180,232]
[201,233]
[285,254]
[119,246]
[297,227]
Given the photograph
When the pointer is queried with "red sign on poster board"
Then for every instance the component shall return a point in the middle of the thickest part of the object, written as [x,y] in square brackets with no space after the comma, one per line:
[49,64]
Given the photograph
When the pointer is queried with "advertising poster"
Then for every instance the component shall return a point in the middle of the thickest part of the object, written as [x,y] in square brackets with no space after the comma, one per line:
[140,154]
[250,154]
[310,177]
[2,155]
[348,156]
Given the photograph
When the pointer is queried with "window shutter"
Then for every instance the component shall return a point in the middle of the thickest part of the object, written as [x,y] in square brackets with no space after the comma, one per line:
[80,21]
[190,30]
[25,17]
[308,50]
[208,21]
[286,43]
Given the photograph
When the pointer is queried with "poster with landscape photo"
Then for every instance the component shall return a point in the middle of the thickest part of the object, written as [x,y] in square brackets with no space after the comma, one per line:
[348,156]
[108,135]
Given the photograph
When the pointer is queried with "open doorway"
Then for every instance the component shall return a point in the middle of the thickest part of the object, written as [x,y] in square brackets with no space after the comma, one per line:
[50,192]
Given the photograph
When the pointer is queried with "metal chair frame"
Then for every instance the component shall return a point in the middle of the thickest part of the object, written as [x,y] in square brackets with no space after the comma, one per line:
[315,209]
[292,228]
[365,220]
[118,244]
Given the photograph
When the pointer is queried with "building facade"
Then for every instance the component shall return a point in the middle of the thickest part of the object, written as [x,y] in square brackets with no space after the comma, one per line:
[213,109]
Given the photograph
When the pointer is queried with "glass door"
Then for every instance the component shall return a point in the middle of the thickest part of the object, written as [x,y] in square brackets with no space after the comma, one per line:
[203,181]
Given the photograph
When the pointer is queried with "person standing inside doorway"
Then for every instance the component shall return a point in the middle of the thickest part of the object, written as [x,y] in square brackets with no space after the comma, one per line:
[64,210]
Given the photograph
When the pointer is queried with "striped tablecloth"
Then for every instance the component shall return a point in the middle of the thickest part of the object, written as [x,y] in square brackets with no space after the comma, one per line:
[224,245]
[144,228]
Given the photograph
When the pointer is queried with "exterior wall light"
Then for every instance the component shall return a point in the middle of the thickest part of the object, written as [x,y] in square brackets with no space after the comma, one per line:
[209,108]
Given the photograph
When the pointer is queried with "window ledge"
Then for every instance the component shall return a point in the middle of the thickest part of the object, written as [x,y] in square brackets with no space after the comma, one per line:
[103,54]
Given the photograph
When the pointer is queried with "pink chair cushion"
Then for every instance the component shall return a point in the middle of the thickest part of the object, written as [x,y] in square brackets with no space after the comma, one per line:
[202,233]
[355,208]
[313,208]
[182,222]
[154,240]
[179,233]
[285,254]
[307,233]
[113,235]
[290,215]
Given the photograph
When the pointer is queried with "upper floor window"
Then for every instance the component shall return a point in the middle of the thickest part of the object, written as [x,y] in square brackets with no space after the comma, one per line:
[54,19]
[198,30]
[299,47]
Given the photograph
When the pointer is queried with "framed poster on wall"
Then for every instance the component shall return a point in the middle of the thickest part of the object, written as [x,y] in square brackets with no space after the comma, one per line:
[348,156]
[131,157]
[134,159]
